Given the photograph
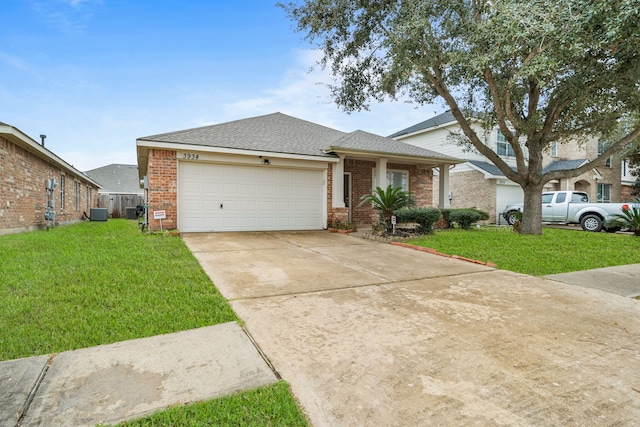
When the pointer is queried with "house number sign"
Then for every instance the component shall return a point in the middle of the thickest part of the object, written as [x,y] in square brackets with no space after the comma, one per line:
[190,156]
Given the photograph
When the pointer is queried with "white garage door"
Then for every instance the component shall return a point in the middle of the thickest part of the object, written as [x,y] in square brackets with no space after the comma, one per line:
[214,197]
[506,195]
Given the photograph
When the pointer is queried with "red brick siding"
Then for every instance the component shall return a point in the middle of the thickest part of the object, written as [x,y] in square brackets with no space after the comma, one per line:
[162,172]
[420,183]
[22,190]
[162,175]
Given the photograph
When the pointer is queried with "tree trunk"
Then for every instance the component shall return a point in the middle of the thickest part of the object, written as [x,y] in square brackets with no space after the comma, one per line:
[532,215]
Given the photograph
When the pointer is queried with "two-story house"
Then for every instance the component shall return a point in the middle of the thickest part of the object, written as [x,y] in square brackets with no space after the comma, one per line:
[479,183]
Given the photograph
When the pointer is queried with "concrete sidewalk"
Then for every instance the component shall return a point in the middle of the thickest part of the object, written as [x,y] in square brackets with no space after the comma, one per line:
[622,280]
[126,380]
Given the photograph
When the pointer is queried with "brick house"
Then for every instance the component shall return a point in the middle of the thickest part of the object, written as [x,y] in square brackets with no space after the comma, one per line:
[25,165]
[479,183]
[276,172]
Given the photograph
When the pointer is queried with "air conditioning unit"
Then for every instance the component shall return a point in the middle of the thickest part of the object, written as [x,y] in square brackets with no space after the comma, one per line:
[98,214]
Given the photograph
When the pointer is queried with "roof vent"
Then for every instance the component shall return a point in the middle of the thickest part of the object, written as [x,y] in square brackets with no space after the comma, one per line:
[42,137]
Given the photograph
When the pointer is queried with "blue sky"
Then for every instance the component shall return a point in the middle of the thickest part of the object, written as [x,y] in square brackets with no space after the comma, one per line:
[94,75]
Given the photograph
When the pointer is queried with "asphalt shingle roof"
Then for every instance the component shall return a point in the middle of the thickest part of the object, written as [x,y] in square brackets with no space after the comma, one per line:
[117,178]
[280,133]
[488,167]
[554,166]
[561,165]
[440,119]
[369,142]
[277,133]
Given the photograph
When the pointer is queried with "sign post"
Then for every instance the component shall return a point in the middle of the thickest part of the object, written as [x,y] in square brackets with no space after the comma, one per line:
[159,215]
[393,223]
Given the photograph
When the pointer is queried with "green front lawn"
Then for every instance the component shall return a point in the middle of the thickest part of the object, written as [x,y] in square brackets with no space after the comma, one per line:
[95,283]
[269,407]
[555,251]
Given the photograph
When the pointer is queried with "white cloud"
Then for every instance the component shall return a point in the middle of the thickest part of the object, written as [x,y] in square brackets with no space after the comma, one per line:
[304,93]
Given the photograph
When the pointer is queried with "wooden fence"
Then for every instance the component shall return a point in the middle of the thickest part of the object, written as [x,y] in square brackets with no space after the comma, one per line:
[116,204]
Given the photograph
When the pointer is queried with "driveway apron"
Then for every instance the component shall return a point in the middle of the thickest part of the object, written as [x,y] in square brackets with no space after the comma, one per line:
[372,334]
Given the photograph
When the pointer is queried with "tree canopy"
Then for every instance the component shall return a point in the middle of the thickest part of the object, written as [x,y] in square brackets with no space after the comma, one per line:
[540,71]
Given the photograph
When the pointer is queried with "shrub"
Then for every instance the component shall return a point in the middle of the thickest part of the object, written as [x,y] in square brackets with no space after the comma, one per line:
[630,217]
[424,217]
[446,218]
[467,217]
[387,201]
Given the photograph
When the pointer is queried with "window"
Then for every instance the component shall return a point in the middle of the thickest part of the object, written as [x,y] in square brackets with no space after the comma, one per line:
[503,148]
[602,146]
[62,192]
[88,197]
[398,179]
[579,198]
[76,195]
[395,178]
[554,149]
[604,193]
[561,197]
[546,197]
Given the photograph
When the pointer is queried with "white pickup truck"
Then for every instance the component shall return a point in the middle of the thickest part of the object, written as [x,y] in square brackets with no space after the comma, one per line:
[570,207]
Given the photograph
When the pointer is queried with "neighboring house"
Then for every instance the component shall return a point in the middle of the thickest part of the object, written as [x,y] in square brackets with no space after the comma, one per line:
[25,165]
[479,183]
[120,188]
[276,172]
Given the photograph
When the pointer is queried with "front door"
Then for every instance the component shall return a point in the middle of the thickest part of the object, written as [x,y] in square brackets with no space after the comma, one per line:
[347,193]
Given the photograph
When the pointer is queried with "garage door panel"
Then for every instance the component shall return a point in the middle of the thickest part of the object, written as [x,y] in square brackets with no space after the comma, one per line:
[211,188]
[266,206]
[253,198]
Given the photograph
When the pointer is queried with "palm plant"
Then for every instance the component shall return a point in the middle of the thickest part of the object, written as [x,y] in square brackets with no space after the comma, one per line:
[389,200]
[630,217]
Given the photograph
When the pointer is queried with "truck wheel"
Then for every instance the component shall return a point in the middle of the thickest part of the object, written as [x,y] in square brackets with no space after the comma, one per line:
[511,217]
[591,222]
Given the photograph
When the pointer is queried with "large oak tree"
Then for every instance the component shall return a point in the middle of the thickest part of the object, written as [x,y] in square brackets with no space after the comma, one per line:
[539,70]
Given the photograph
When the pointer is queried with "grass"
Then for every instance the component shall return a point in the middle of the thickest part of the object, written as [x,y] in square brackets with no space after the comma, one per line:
[95,283]
[267,406]
[555,251]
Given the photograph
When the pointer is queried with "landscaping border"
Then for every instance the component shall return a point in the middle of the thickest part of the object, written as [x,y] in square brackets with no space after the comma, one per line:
[433,251]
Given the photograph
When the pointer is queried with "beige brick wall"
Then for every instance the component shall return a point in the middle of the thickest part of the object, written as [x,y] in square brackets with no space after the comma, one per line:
[586,182]
[22,190]
[470,190]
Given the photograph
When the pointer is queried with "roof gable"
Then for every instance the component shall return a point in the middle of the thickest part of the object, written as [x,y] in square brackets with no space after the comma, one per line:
[117,179]
[440,119]
[277,133]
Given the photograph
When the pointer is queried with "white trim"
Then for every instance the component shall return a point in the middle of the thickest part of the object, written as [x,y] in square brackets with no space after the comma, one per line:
[48,154]
[222,150]
[430,129]
[350,190]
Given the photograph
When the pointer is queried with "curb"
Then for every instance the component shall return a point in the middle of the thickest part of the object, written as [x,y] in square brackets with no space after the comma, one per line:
[433,251]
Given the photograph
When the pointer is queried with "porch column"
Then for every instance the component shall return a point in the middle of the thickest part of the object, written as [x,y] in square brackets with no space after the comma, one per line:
[381,173]
[337,187]
[443,187]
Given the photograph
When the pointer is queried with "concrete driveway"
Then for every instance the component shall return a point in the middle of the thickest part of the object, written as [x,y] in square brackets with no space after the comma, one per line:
[372,334]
